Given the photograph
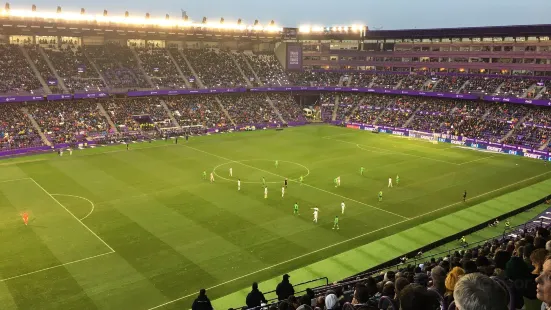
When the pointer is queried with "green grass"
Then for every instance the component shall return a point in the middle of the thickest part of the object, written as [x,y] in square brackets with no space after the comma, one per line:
[159,232]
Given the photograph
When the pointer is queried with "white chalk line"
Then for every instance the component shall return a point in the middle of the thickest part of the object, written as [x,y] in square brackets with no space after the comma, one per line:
[254,182]
[80,197]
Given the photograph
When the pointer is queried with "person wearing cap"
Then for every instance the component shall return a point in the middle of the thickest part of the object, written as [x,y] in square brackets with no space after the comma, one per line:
[255,298]
[284,289]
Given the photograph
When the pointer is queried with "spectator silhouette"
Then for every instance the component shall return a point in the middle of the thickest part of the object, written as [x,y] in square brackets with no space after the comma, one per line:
[284,289]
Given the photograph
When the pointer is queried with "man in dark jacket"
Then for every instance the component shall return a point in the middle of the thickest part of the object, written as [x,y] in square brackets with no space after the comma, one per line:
[284,288]
[255,297]
[202,302]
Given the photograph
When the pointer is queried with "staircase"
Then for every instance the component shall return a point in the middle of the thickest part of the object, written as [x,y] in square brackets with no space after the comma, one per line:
[398,85]
[353,110]
[462,87]
[60,81]
[169,113]
[510,133]
[109,120]
[35,70]
[185,78]
[275,109]
[197,79]
[95,67]
[336,107]
[498,89]
[341,81]
[406,124]
[140,66]
[222,107]
[542,91]
[530,89]
[372,82]
[36,127]
[251,68]
[232,56]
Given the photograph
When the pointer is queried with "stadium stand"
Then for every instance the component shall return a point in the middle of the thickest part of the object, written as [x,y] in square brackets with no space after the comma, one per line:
[215,68]
[160,68]
[16,75]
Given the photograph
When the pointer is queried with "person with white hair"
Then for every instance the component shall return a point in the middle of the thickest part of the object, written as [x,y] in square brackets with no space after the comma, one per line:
[476,291]
[548,246]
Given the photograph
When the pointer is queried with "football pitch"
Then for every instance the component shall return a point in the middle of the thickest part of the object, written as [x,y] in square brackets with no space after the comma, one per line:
[142,229]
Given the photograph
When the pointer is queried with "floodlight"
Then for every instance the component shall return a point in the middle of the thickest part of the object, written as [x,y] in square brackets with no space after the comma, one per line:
[58,10]
[33,8]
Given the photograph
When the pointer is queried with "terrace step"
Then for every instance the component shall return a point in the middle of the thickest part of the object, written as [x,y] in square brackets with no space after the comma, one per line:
[190,67]
[169,113]
[222,107]
[256,77]
[398,85]
[60,81]
[107,117]
[36,127]
[498,89]
[336,107]
[275,109]
[530,89]
[541,92]
[140,66]
[232,56]
[180,72]
[35,70]
[462,87]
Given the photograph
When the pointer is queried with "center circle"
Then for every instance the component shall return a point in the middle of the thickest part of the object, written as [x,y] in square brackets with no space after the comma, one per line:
[267,169]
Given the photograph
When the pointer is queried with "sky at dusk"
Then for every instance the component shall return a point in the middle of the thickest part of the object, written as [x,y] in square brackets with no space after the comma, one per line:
[389,14]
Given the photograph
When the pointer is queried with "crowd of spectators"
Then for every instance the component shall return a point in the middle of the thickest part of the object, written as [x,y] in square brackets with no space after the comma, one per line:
[268,69]
[248,109]
[16,130]
[517,88]
[68,121]
[215,68]
[509,272]
[135,114]
[286,105]
[43,68]
[157,63]
[400,110]
[414,82]
[361,79]
[347,103]
[181,62]
[483,85]
[197,110]
[371,108]
[118,66]
[16,74]
[447,83]
[387,81]
[75,69]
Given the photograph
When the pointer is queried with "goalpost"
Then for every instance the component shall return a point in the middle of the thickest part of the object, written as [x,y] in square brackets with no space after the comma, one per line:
[424,136]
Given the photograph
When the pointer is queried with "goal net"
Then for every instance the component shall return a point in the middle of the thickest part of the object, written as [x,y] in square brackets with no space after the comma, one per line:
[424,136]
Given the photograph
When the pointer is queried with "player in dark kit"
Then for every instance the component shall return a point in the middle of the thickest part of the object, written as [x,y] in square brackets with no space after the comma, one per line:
[285,182]
[127,146]
[464,196]
[176,139]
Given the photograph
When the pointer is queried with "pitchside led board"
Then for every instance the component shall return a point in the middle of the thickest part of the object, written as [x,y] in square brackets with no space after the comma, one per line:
[294,56]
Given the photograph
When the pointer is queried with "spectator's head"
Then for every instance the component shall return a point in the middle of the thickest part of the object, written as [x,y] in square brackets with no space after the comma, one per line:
[548,246]
[421,278]
[293,301]
[400,284]
[388,289]
[517,269]
[310,293]
[361,295]
[501,258]
[202,292]
[537,258]
[416,297]
[255,286]
[478,292]
[539,242]
[438,275]
[452,278]
[544,283]
[470,267]
[528,249]
[331,302]
[286,278]
[542,232]
[284,305]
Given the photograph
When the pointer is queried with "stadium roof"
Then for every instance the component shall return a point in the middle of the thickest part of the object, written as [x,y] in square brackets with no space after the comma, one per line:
[492,31]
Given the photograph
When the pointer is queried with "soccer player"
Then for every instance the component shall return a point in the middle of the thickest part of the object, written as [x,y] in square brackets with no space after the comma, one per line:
[127,146]
[336,222]
[295,211]
[277,163]
[238,184]
[60,152]
[397,179]
[204,175]
[316,210]
[286,182]
[389,182]
[362,169]
[380,195]
[231,172]
[211,177]
[464,241]
[342,207]
[338,181]
[465,196]
[282,191]
[301,179]
[263,182]
[70,152]
[265,192]
[25,217]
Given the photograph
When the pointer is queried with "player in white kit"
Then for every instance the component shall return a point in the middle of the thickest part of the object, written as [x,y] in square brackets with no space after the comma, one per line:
[282,191]
[238,184]
[231,172]
[211,177]
[342,207]
[265,192]
[70,152]
[389,182]
[316,210]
